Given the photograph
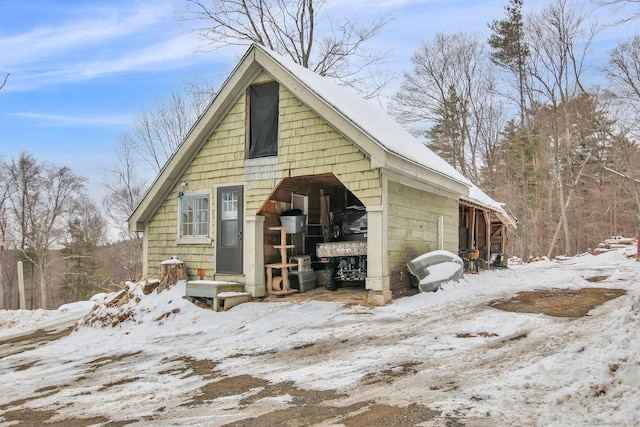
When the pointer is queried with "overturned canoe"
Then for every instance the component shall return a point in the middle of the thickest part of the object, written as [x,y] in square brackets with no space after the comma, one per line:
[432,269]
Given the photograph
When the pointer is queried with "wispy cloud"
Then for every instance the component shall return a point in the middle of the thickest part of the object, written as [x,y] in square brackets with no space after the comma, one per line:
[58,120]
[168,54]
[43,43]
[127,39]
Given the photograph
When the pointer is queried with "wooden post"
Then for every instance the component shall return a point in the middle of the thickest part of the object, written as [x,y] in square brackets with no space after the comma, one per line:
[472,230]
[504,249]
[487,236]
[23,301]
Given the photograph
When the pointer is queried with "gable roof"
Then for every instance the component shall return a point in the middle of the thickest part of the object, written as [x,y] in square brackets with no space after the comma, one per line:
[387,143]
[369,119]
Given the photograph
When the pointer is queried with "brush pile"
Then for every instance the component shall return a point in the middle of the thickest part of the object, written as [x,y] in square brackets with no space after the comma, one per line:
[129,304]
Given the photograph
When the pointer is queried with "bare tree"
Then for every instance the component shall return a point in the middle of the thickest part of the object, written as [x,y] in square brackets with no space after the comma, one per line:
[626,157]
[24,182]
[87,220]
[41,196]
[619,5]
[201,92]
[298,29]
[4,82]
[157,133]
[86,232]
[510,52]
[448,96]
[559,41]
[160,130]
[623,73]
[125,190]
[4,202]
[492,119]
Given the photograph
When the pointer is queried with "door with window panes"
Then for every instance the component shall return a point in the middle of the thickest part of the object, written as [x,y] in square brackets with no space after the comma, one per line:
[229,230]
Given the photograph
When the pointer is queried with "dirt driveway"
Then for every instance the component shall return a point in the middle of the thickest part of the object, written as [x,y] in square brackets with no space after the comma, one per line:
[307,407]
[360,406]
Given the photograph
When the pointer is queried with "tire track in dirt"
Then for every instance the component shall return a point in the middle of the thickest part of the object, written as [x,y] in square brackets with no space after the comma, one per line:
[29,341]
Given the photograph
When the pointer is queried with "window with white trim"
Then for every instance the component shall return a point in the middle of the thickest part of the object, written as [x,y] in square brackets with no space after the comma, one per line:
[194,216]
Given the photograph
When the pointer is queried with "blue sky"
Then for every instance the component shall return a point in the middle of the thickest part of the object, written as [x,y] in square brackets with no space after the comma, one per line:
[81,70]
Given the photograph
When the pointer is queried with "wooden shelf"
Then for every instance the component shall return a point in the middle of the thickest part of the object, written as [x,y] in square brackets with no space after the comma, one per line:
[284,293]
[281,265]
[279,285]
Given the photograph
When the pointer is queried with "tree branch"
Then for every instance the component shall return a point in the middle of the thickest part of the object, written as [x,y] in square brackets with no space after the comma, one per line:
[4,82]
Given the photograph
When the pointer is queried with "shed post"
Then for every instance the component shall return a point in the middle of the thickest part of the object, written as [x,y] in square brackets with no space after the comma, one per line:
[377,260]
[254,255]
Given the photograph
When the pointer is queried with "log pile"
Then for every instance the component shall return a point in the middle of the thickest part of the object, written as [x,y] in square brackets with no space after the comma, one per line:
[629,244]
[618,242]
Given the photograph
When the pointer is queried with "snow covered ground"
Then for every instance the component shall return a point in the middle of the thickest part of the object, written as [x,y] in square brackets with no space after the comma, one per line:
[448,351]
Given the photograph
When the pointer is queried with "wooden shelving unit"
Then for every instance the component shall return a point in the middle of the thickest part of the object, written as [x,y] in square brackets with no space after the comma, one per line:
[279,285]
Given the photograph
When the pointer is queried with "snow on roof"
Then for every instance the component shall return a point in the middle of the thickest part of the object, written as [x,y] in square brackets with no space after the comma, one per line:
[382,129]
[482,198]
[478,196]
[369,118]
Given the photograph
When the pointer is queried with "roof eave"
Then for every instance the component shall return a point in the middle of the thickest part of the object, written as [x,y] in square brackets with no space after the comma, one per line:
[405,167]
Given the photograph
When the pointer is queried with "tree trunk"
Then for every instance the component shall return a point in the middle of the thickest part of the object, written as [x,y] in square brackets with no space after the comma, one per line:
[43,288]
[525,205]
[566,204]
[1,276]
[563,211]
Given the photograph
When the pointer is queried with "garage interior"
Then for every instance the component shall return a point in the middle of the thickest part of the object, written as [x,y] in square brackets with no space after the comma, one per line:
[327,206]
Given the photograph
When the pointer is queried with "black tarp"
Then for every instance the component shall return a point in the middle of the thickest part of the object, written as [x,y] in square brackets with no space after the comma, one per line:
[264,120]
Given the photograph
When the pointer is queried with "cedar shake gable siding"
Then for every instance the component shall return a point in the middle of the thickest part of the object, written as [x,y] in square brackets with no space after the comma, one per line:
[307,144]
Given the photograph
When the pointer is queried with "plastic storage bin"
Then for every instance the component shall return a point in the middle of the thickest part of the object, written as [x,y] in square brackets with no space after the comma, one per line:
[294,224]
[303,281]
